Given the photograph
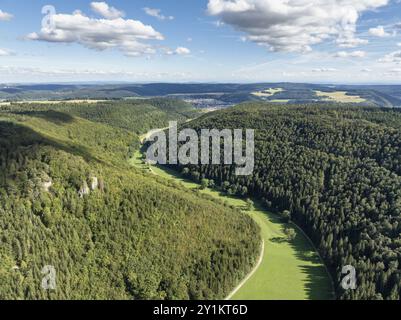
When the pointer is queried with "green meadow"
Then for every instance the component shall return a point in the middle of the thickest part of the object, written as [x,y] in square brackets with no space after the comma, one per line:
[289,270]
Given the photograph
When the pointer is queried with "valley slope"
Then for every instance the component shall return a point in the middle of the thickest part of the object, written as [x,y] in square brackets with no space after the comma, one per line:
[69,199]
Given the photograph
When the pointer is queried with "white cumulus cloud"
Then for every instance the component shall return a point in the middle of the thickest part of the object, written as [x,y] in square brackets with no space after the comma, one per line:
[181,51]
[157,14]
[129,36]
[106,11]
[295,25]
[379,32]
[4,16]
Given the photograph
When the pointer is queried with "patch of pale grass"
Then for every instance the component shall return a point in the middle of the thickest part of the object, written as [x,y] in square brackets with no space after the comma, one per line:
[267,93]
[340,96]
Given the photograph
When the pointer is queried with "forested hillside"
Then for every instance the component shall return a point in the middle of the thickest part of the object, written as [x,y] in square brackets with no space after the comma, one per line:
[69,199]
[336,172]
[137,116]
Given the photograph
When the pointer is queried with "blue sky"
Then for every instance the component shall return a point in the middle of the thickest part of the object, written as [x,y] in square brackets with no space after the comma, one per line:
[336,41]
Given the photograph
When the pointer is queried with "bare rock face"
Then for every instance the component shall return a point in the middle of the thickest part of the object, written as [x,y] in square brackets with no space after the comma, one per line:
[94,183]
[84,190]
[47,184]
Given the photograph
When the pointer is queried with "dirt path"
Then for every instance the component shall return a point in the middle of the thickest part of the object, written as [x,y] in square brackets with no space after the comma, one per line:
[242,283]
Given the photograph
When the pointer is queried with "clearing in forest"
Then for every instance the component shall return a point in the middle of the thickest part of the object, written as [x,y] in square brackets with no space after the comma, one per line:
[267,93]
[339,96]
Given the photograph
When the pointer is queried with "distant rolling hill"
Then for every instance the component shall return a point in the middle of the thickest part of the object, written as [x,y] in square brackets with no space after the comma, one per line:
[205,95]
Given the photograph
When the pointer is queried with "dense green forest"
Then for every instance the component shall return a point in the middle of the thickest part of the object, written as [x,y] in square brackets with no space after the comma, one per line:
[68,198]
[137,116]
[333,170]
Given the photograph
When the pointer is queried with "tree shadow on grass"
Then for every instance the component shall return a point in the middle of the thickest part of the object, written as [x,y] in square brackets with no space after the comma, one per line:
[318,283]
[317,287]
[278,240]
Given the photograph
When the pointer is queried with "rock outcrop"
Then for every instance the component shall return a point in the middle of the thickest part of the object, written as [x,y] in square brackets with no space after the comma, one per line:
[94,183]
[84,190]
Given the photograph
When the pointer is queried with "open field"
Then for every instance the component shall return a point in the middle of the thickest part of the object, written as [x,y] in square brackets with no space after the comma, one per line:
[267,93]
[279,101]
[340,96]
[288,270]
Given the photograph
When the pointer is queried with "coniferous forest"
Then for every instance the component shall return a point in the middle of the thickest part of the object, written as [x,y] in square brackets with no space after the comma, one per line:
[69,199]
[335,171]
